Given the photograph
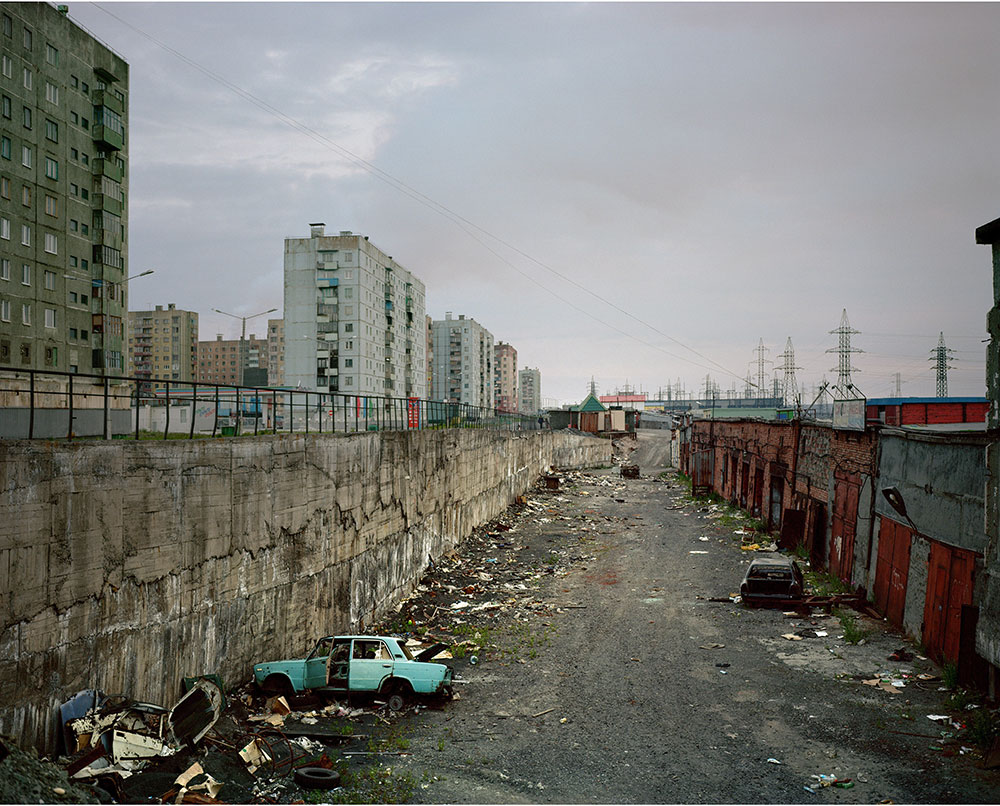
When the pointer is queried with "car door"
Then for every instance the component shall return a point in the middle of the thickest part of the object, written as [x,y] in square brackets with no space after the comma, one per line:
[371,663]
[314,673]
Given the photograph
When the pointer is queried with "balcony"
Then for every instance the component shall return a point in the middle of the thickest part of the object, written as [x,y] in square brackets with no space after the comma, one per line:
[108,99]
[109,168]
[102,201]
[107,138]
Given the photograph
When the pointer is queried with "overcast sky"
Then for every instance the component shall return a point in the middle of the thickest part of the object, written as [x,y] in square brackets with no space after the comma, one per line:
[702,176]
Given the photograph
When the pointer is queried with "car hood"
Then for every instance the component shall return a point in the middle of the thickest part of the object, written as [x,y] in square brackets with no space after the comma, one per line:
[431,652]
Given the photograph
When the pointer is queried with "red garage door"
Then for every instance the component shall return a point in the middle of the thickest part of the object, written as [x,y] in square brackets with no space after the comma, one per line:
[892,569]
[846,489]
[949,586]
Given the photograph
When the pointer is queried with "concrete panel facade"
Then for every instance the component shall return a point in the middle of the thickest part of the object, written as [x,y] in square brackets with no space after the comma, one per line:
[129,565]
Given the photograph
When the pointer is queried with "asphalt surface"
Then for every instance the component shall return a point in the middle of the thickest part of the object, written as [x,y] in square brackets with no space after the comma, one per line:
[606,687]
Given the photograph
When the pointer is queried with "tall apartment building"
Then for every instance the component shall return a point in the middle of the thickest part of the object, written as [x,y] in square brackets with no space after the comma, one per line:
[354,318]
[163,343]
[220,361]
[505,377]
[63,186]
[530,385]
[275,352]
[463,362]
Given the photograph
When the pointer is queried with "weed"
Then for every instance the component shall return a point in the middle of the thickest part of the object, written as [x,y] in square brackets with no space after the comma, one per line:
[853,632]
[960,698]
[458,651]
[369,785]
[949,675]
[984,727]
[801,551]
[441,744]
[825,584]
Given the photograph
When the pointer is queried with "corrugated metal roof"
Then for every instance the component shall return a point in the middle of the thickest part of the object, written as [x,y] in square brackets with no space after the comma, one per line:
[898,401]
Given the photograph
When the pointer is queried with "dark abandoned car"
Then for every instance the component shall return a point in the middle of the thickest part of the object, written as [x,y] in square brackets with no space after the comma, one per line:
[770,579]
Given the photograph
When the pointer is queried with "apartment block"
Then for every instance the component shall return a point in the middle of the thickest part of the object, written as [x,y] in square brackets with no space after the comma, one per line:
[236,362]
[354,318]
[530,391]
[505,377]
[275,352]
[463,362]
[163,343]
[63,190]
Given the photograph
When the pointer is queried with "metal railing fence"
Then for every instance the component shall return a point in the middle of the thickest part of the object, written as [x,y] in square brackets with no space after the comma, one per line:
[49,404]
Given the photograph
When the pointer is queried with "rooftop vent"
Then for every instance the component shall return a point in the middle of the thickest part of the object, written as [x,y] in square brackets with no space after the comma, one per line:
[346,232]
[316,230]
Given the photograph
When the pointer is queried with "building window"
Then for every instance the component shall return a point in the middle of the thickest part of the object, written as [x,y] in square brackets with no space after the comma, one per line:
[8,26]
[73,262]
[51,243]
[4,187]
[5,147]
[26,196]
[5,108]
[27,39]
[51,93]
[26,156]
[8,67]
[50,317]
[50,280]
[5,310]
[73,190]
[4,269]
[25,235]
[25,274]
[51,168]
[51,54]
[5,228]
[26,117]
[27,78]
[51,205]
[25,314]
[74,118]
[52,131]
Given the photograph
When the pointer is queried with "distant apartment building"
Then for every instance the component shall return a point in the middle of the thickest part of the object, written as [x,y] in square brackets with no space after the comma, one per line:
[63,184]
[275,352]
[354,318]
[220,362]
[163,343]
[530,391]
[505,377]
[430,354]
[463,362]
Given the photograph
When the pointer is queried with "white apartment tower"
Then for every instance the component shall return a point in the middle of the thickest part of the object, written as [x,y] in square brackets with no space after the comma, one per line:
[354,318]
[463,362]
[530,391]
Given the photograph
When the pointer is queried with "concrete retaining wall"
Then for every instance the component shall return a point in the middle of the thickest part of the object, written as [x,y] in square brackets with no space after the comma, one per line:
[126,566]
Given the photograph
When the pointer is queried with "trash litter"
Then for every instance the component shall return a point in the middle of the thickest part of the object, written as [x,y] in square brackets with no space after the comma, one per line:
[793,637]
[901,654]
[821,633]
[938,717]
[712,646]
[703,539]
[723,665]
[697,552]
[773,761]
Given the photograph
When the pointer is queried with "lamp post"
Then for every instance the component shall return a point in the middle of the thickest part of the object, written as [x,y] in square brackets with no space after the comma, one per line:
[243,336]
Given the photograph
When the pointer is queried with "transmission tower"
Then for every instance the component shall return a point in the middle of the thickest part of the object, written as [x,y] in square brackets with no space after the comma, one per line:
[844,387]
[942,355]
[748,387]
[789,387]
[761,350]
[898,381]
[593,386]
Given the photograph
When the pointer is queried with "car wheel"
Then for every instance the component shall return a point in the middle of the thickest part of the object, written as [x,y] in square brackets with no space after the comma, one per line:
[317,778]
[277,685]
[396,700]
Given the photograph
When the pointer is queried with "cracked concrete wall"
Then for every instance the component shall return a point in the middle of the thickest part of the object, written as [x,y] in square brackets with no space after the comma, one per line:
[126,566]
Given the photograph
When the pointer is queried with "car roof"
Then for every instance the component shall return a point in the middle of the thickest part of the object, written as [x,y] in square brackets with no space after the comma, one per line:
[774,562]
[366,637]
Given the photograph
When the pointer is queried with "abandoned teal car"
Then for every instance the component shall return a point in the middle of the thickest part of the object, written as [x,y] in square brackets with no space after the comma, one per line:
[349,664]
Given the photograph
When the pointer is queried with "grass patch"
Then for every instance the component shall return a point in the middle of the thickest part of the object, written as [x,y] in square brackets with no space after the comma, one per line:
[983,727]
[949,675]
[825,584]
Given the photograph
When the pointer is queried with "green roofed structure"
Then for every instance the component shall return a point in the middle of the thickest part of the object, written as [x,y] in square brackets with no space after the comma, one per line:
[590,403]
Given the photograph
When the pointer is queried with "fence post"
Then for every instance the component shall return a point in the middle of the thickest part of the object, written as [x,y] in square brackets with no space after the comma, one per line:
[166,401]
[194,407]
[138,403]
[274,413]
[31,404]
[215,422]
[106,407]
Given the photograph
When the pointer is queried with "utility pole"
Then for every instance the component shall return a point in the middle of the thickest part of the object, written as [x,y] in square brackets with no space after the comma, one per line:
[843,349]
[942,355]
[243,337]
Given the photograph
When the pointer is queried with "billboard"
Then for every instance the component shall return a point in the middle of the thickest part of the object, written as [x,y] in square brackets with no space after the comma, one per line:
[849,415]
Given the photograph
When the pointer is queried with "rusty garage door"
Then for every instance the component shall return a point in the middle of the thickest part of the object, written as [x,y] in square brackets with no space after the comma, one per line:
[846,489]
[949,587]
[892,569]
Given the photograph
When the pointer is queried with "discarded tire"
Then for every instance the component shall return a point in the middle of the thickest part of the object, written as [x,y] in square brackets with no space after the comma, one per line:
[317,778]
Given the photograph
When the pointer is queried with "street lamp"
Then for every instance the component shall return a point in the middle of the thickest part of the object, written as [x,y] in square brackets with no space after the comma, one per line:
[243,336]
[140,274]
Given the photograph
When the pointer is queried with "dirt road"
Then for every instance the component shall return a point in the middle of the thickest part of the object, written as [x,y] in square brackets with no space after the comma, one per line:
[614,678]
